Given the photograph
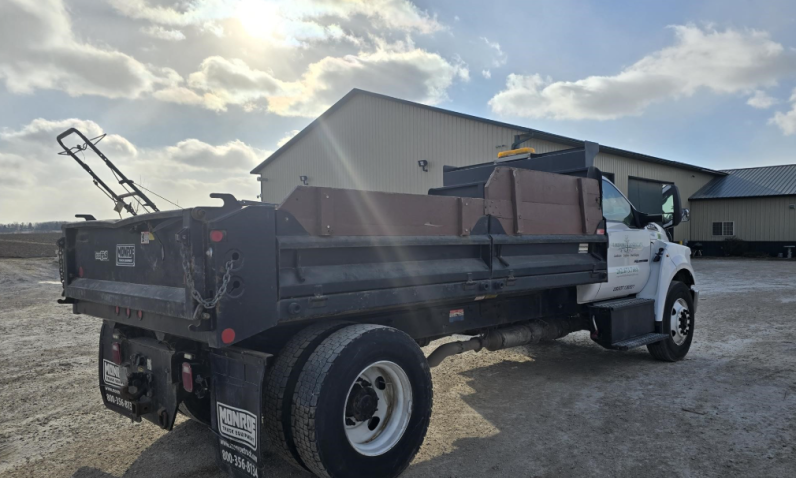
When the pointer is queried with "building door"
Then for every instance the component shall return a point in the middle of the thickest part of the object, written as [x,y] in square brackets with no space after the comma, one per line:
[646,195]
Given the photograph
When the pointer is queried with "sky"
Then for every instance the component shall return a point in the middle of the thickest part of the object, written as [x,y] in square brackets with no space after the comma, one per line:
[192,94]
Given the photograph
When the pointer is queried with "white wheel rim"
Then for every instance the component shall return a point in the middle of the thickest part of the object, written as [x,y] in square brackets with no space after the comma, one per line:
[378,434]
[680,321]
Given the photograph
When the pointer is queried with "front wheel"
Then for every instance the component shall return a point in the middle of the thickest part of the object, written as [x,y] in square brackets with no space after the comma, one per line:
[677,323]
[362,403]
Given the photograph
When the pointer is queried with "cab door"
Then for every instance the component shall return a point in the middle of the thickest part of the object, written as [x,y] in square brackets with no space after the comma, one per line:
[628,247]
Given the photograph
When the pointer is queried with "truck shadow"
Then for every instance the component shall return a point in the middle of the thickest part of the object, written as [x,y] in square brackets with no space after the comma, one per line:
[187,451]
[549,414]
[570,412]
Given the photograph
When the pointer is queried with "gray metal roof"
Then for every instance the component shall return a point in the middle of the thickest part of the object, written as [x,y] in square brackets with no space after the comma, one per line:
[751,182]
[520,129]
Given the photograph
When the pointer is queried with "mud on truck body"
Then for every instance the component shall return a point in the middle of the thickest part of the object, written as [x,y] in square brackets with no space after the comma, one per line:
[297,327]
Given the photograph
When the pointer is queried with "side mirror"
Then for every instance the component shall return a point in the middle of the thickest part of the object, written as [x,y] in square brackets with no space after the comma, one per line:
[672,209]
[686,215]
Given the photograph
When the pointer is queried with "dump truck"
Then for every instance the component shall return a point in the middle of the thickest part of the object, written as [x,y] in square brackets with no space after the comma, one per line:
[296,328]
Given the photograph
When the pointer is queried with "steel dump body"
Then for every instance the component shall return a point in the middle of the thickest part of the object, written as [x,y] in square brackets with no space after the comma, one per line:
[412,261]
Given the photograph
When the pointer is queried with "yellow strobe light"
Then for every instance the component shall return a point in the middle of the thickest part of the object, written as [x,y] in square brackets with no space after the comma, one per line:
[512,152]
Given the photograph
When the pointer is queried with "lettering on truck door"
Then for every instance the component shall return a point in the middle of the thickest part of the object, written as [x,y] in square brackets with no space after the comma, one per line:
[628,247]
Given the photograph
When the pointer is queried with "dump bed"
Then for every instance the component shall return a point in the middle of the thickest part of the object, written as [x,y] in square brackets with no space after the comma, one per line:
[223,274]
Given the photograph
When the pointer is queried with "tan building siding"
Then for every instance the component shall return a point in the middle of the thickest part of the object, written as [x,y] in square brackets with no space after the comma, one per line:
[756,219]
[688,182]
[374,143]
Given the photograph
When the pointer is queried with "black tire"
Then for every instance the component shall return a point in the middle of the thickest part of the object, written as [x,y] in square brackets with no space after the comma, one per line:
[321,395]
[196,409]
[280,384]
[667,350]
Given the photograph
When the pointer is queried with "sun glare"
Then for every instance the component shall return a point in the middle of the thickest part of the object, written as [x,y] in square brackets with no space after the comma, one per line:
[259,18]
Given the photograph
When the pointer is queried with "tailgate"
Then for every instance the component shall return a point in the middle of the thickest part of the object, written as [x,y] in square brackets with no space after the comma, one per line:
[134,263]
[151,271]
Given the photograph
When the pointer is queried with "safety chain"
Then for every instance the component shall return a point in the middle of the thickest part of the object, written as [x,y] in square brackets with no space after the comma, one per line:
[60,243]
[204,303]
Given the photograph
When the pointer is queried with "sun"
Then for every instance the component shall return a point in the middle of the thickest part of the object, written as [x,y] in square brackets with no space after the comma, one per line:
[260,19]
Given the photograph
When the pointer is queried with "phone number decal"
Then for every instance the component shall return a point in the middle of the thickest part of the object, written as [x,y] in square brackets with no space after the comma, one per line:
[239,462]
[119,401]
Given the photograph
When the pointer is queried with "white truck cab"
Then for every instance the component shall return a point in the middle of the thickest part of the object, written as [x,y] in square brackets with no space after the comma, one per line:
[644,263]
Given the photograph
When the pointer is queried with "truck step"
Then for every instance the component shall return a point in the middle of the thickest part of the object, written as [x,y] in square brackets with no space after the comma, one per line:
[634,342]
[622,321]
[616,304]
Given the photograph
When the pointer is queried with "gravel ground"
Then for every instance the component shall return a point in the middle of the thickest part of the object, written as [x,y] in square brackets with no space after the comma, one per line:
[38,244]
[568,408]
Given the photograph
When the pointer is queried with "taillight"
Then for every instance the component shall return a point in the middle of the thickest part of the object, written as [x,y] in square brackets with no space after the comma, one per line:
[187,377]
[217,236]
[80,271]
[117,353]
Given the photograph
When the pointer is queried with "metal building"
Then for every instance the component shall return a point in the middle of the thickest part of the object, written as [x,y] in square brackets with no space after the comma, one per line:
[374,142]
[756,205]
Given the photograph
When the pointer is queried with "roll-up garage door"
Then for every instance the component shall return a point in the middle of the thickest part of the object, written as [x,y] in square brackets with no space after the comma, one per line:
[646,195]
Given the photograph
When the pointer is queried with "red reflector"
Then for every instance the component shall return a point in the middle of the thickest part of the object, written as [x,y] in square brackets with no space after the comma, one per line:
[117,353]
[600,231]
[217,236]
[117,310]
[80,271]
[187,377]
[128,312]
[228,336]
[140,314]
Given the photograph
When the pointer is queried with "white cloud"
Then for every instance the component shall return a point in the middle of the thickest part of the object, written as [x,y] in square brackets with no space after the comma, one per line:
[288,136]
[41,52]
[286,22]
[397,69]
[761,100]
[786,121]
[729,61]
[185,172]
[223,82]
[47,55]
[196,12]
[156,31]
[499,58]
[486,74]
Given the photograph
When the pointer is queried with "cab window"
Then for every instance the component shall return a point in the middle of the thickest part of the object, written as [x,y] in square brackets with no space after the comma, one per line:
[615,206]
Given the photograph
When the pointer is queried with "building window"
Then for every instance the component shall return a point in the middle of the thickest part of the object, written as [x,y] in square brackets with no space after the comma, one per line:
[723,228]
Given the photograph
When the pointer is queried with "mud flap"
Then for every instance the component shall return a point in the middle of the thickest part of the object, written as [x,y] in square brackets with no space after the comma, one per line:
[237,409]
[143,385]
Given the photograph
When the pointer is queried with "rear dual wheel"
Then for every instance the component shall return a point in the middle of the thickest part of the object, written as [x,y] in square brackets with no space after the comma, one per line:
[280,386]
[361,404]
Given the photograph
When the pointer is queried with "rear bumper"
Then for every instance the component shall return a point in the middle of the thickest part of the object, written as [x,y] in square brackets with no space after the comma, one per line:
[169,301]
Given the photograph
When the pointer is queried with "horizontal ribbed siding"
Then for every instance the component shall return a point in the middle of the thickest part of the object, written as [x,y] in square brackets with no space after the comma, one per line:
[756,219]
[374,144]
